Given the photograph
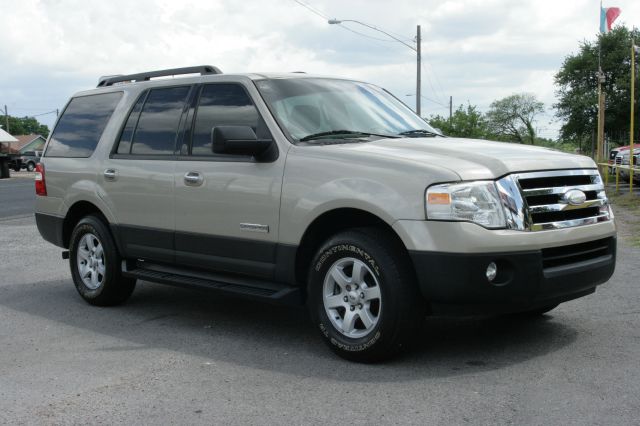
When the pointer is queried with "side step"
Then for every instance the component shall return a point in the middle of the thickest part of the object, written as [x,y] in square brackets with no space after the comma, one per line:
[256,289]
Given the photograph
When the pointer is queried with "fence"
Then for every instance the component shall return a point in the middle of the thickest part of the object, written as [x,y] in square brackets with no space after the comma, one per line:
[633,171]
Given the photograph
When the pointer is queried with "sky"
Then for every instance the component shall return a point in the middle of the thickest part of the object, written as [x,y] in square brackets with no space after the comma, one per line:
[476,51]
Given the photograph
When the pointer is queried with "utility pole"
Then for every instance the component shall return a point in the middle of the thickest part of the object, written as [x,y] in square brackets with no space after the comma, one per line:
[450,109]
[633,84]
[418,75]
[417,49]
[6,119]
[601,104]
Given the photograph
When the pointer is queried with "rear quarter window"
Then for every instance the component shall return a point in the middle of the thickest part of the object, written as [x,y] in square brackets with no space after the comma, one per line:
[81,125]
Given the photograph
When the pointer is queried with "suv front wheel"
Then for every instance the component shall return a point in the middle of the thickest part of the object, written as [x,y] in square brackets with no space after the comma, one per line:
[363,297]
[95,264]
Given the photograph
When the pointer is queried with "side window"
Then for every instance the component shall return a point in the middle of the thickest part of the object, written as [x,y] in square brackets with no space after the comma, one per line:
[159,120]
[124,147]
[81,125]
[221,105]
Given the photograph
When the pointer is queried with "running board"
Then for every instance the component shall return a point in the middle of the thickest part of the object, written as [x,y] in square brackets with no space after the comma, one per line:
[277,293]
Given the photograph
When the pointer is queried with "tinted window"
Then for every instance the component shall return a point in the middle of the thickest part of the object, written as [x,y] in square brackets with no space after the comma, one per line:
[124,147]
[221,105]
[159,120]
[81,125]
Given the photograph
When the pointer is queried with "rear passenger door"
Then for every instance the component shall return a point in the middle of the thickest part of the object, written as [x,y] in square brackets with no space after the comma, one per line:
[228,220]
[138,177]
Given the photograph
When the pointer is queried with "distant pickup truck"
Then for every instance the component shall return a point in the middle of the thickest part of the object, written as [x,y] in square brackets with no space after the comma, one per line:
[27,160]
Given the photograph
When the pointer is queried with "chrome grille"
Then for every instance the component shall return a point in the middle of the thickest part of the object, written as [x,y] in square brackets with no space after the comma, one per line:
[547,204]
[539,201]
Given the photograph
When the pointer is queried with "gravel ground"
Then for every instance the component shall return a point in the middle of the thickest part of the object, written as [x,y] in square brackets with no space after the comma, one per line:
[173,356]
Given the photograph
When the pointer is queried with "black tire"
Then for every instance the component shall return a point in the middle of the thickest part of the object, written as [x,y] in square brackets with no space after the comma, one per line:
[112,288]
[400,309]
[16,168]
[30,167]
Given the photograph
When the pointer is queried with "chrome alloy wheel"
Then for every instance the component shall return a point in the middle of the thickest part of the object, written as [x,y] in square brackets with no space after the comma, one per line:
[352,298]
[90,261]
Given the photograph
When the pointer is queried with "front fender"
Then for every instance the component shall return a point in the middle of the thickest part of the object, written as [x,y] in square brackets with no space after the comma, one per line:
[363,194]
[372,196]
[319,179]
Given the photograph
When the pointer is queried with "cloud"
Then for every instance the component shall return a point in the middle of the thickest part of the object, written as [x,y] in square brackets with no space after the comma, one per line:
[474,50]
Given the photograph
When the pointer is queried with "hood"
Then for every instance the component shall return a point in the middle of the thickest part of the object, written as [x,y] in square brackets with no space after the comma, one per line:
[472,158]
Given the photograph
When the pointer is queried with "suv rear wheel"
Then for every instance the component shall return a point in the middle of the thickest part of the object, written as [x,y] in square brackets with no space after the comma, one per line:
[30,166]
[95,264]
[363,296]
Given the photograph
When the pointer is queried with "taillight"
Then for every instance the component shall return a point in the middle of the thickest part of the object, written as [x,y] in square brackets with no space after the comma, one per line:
[41,185]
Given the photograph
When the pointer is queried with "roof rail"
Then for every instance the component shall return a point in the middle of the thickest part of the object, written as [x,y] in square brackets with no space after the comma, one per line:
[146,76]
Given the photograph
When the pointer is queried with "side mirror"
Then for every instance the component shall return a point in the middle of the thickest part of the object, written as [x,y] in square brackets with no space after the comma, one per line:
[238,140]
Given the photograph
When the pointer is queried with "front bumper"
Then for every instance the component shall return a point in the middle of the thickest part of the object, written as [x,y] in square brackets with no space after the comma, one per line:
[457,283]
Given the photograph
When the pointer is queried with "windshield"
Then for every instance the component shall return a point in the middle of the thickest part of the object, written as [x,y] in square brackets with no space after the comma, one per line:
[310,108]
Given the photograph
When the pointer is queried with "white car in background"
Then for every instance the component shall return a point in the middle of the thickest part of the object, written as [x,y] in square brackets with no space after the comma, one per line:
[622,159]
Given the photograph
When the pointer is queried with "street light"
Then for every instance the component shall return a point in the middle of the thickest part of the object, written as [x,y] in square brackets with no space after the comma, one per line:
[416,49]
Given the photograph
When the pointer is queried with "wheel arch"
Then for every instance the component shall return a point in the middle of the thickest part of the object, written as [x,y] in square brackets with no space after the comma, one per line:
[330,223]
[75,213]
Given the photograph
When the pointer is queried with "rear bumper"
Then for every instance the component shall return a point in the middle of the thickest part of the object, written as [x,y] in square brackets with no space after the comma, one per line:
[51,228]
[457,283]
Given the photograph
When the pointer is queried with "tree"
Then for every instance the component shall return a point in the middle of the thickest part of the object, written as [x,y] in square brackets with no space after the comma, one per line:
[512,118]
[577,84]
[25,126]
[465,123]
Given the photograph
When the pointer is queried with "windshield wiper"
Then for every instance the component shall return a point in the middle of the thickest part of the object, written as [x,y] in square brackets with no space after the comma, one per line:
[419,132]
[347,133]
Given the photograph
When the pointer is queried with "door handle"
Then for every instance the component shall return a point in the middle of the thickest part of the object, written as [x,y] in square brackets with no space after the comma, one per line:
[193,179]
[109,174]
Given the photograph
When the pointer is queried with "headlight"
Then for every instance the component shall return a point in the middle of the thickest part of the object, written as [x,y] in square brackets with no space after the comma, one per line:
[476,202]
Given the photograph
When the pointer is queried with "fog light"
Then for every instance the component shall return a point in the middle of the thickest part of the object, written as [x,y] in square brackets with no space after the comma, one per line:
[492,271]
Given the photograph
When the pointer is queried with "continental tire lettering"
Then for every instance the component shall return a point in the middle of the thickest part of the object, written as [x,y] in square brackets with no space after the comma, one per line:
[356,348]
[350,249]
[324,330]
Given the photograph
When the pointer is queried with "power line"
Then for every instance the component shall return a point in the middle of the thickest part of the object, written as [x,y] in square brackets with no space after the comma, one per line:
[431,100]
[29,109]
[409,39]
[426,73]
[55,111]
[322,15]
[435,74]
[306,6]
[344,27]
[365,35]
[426,70]
[311,9]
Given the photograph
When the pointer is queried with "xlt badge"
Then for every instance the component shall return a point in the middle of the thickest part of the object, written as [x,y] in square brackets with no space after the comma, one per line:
[254,227]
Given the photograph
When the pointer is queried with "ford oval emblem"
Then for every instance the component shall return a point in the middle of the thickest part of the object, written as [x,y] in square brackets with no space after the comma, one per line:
[575,197]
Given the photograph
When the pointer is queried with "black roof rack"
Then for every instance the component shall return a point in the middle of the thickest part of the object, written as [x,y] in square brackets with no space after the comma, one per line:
[146,76]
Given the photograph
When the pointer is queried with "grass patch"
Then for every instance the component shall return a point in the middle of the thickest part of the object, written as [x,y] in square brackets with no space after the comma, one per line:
[630,203]
[626,201]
